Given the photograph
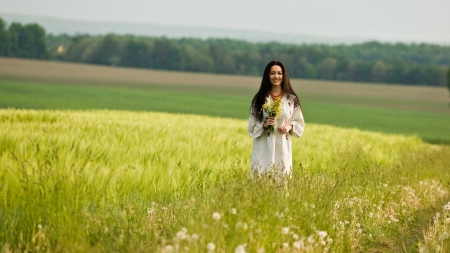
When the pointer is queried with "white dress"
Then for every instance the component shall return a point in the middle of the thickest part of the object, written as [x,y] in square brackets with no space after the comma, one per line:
[273,152]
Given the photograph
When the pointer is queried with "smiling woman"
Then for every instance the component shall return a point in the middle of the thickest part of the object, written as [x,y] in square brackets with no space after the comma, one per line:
[275,106]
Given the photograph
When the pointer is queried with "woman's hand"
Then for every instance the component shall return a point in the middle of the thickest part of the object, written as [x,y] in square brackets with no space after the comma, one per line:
[285,128]
[269,122]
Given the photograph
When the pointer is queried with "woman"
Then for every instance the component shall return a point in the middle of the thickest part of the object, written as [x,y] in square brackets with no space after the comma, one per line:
[272,150]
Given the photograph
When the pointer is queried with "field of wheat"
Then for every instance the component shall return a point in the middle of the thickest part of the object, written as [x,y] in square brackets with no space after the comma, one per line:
[102,181]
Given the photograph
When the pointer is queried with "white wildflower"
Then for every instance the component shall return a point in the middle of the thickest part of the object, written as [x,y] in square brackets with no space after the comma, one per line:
[184,230]
[39,226]
[181,235]
[169,249]
[240,249]
[295,236]
[322,234]
[233,211]
[285,230]
[285,245]
[311,239]
[194,237]
[443,236]
[210,246]
[216,216]
[298,245]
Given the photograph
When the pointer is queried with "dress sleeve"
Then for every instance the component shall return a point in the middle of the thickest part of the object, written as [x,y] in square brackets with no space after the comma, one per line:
[297,121]
[255,127]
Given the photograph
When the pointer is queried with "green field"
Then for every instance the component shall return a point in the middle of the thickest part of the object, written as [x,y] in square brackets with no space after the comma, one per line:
[101,159]
[223,102]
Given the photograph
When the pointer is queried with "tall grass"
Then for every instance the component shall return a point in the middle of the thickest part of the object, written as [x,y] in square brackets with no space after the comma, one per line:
[77,181]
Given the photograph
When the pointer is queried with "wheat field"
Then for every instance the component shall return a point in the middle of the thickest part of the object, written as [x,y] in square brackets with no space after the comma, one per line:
[103,180]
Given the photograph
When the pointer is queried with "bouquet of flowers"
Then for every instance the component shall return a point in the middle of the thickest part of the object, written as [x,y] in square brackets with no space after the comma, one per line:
[273,109]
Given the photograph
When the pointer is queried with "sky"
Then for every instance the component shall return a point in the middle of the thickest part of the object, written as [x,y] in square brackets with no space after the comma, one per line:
[385,20]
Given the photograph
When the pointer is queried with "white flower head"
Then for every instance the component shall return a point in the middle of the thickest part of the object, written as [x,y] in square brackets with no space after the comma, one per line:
[169,249]
[298,245]
[240,249]
[210,247]
[295,236]
[181,235]
[285,245]
[285,230]
[194,237]
[233,211]
[311,239]
[322,234]
[216,216]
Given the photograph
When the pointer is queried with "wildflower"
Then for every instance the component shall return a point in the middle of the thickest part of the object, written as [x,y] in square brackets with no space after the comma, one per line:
[233,211]
[295,236]
[443,236]
[261,250]
[273,108]
[194,237]
[240,249]
[358,225]
[216,216]
[311,239]
[298,244]
[169,249]
[285,245]
[210,247]
[184,230]
[322,234]
[181,235]
[447,207]
[285,230]
[39,226]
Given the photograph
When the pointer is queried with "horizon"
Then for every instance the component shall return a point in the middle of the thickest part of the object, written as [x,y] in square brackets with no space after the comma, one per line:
[330,40]
[402,21]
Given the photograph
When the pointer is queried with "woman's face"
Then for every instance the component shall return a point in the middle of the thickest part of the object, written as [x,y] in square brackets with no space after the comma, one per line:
[276,75]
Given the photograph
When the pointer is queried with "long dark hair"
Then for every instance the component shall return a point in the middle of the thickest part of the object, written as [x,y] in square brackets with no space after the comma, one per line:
[266,86]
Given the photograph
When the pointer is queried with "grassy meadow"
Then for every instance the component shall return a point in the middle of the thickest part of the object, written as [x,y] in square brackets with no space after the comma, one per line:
[77,181]
[98,159]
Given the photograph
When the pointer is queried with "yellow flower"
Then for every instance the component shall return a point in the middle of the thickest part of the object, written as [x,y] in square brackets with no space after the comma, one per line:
[273,109]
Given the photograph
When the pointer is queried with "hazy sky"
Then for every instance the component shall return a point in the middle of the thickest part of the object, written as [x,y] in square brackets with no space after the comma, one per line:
[392,20]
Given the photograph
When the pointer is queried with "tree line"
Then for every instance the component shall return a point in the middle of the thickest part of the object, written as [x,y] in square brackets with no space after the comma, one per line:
[419,64]
[24,41]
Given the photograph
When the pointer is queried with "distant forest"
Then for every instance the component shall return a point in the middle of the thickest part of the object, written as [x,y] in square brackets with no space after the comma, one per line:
[413,64]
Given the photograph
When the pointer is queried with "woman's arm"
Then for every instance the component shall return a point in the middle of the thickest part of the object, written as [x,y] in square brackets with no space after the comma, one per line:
[297,122]
[255,128]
